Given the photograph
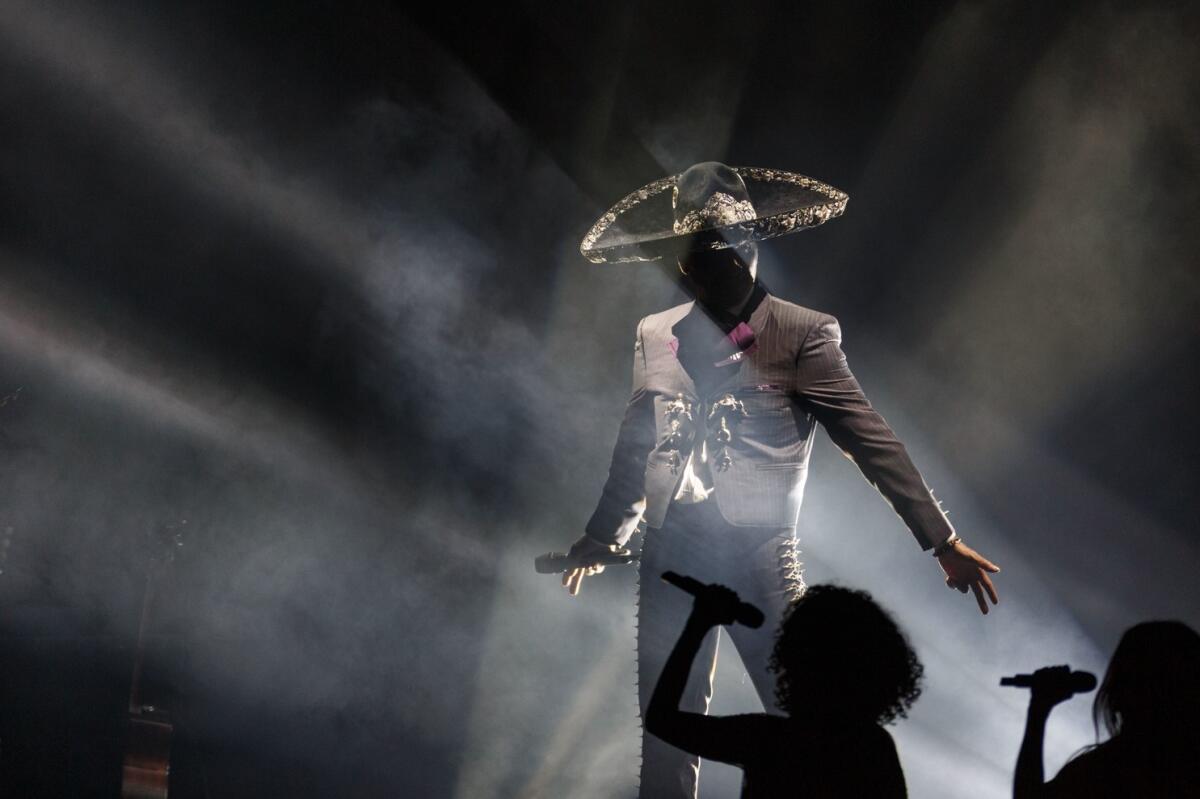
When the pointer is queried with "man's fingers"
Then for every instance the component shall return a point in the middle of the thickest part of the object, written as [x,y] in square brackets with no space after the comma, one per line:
[991,589]
[980,560]
[986,564]
[979,598]
[572,579]
[614,555]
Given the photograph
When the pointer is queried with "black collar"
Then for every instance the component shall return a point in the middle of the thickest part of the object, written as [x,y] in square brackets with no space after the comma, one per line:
[727,320]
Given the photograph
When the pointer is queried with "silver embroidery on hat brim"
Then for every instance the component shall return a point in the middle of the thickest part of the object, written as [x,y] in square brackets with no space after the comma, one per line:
[756,229]
[719,210]
[624,204]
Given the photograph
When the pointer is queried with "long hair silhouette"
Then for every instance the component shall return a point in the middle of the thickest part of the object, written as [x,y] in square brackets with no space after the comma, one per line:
[1149,703]
[1152,685]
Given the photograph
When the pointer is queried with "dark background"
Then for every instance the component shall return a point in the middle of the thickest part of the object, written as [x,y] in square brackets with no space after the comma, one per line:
[306,276]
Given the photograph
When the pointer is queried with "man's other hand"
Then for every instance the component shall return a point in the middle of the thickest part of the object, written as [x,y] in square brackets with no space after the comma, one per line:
[965,568]
[592,556]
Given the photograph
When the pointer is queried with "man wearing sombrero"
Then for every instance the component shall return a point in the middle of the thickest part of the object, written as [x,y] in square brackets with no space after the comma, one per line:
[713,451]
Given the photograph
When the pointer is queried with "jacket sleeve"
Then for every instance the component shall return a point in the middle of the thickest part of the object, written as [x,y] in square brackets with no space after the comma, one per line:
[623,499]
[828,388]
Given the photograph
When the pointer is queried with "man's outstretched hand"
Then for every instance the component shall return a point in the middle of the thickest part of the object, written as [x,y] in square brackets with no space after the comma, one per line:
[965,568]
[593,556]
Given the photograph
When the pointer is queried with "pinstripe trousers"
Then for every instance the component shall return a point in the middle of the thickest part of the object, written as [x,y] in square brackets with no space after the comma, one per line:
[760,564]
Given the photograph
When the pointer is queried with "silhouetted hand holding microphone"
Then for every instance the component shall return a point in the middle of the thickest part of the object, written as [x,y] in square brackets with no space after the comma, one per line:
[1051,685]
[715,604]
[1047,687]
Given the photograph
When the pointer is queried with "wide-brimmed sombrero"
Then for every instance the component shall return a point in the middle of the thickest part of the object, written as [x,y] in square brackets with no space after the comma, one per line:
[709,206]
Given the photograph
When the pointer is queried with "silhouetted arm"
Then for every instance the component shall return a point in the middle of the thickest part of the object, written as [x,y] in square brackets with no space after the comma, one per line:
[1028,778]
[714,738]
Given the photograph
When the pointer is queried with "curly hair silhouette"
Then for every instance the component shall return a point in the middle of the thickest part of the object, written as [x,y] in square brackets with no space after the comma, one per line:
[840,654]
[843,670]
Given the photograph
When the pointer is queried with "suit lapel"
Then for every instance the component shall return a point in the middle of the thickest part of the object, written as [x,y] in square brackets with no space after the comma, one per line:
[672,343]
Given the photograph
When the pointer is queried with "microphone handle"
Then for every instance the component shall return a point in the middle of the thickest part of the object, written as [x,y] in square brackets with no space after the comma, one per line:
[552,563]
[1080,682]
[559,562]
[745,613]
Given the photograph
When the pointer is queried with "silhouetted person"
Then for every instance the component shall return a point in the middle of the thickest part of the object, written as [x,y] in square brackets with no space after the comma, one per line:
[1149,701]
[844,670]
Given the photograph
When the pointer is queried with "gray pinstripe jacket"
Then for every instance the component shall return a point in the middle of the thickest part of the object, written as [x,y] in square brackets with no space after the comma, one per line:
[795,377]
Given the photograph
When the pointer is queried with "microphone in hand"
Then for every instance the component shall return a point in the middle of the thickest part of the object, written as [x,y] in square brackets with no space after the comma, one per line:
[1053,684]
[717,603]
[559,562]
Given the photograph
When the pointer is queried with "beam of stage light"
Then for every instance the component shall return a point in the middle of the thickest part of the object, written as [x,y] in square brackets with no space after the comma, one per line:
[1063,263]
[1088,269]
[84,51]
[251,426]
[300,503]
[118,371]
[546,719]
[576,729]
[695,122]
[157,113]
[369,250]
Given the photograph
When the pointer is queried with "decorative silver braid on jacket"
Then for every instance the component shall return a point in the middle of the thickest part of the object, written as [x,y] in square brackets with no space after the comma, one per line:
[722,411]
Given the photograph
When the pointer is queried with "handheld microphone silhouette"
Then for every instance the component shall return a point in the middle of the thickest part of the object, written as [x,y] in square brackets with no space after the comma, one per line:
[1077,682]
[745,613]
